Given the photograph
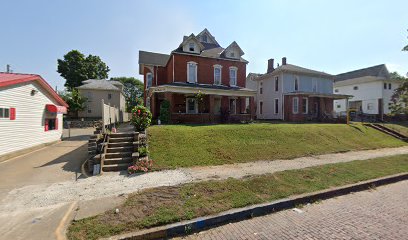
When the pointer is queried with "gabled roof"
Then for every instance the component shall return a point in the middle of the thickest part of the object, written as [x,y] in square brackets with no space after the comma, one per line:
[254,75]
[9,79]
[233,45]
[298,70]
[206,32]
[379,71]
[151,58]
[103,84]
[194,38]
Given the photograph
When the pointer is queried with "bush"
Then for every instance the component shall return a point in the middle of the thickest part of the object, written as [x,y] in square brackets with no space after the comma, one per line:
[141,118]
[141,166]
[165,112]
[143,151]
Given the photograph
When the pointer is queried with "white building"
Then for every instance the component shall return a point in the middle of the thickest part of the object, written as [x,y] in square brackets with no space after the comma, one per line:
[31,114]
[371,89]
[292,93]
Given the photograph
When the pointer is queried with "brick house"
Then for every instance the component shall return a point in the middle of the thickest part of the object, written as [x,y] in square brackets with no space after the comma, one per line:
[199,64]
[293,93]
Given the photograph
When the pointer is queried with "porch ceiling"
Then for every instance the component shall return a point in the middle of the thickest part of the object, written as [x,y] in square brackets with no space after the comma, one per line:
[237,92]
[321,95]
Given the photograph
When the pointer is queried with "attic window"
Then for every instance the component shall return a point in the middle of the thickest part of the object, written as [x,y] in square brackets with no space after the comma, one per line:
[232,54]
[191,47]
[204,38]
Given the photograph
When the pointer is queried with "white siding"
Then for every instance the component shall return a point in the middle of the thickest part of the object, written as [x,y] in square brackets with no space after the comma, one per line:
[268,97]
[27,130]
[368,92]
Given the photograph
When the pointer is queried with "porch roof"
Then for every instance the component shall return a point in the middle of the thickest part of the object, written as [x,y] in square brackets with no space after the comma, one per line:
[191,88]
[321,95]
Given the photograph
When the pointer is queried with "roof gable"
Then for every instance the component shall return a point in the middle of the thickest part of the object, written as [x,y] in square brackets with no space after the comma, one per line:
[103,84]
[9,79]
[379,71]
[210,37]
[231,48]
[193,38]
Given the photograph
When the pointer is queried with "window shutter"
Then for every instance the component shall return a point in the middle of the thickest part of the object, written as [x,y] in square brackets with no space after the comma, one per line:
[56,123]
[12,114]
[46,125]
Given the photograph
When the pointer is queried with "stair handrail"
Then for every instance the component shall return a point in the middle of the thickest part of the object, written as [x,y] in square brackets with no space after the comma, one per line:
[103,150]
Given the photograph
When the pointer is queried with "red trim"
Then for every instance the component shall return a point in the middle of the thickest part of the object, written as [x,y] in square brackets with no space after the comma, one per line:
[22,78]
[12,114]
[56,109]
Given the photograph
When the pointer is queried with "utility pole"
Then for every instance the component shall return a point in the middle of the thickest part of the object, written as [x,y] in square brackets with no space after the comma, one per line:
[8,68]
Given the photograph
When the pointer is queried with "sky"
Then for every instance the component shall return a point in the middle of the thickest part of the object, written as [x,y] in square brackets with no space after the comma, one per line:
[330,36]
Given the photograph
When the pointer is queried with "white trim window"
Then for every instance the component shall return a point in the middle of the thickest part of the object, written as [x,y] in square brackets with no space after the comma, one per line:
[192,72]
[276,106]
[233,106]
[191,106]
[276,84]
[4,112]
[295,105]
[296,84]
[233,76]
[191,47]
[149,81]
[315,85]
[217,74]
[305,105]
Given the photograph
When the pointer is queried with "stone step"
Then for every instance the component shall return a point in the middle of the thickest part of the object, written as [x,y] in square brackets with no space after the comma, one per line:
[118,155]
[115,167]
[111,161]
[92,140]
[121,135]
[120,139]
[119,149]
[120,144]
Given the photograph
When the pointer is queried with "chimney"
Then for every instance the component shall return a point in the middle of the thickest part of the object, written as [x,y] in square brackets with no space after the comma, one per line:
[284,61]
[270,65]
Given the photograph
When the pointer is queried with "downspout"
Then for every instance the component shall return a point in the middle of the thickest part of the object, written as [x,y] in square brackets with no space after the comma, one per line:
[156,75]
[173,67]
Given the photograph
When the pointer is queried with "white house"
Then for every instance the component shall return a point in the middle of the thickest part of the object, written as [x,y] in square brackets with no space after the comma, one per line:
[293,93]
[31,114]
[371,88]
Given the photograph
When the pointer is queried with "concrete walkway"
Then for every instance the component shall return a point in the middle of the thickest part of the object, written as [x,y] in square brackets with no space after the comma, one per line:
[37,199]
[57,163]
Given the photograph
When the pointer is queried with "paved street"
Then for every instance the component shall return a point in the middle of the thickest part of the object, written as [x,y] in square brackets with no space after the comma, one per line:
[375,214]
[50,165]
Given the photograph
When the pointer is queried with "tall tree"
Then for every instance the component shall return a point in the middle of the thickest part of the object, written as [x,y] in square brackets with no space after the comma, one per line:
[133,91]
[75,68]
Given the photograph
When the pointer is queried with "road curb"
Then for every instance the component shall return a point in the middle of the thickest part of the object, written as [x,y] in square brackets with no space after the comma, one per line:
[235,215]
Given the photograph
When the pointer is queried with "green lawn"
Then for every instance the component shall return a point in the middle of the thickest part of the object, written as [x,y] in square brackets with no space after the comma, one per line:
[165,205]
[185,146]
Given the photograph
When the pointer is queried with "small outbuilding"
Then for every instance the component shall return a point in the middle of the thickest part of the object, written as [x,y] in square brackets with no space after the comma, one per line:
[31,114]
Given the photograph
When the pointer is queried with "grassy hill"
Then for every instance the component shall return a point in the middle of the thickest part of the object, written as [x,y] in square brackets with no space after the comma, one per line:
[185,146]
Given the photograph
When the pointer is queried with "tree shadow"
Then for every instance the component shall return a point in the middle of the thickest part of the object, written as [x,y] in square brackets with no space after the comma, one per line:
[73,160]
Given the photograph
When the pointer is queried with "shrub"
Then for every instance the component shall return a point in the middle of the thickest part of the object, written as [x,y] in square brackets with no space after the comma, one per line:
[143,151]
[165,112]
[141,166]
[141,118]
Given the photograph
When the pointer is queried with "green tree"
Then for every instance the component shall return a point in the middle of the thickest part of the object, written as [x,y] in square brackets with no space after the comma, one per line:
[133,91]
[75,68]
[75,101]
[400,97]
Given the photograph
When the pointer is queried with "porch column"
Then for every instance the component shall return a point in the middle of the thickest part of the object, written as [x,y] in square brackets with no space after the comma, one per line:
[211,108]
[252,107]
[243,103]
[153,105]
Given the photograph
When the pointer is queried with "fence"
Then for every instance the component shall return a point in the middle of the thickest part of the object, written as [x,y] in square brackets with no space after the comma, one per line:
[112,115]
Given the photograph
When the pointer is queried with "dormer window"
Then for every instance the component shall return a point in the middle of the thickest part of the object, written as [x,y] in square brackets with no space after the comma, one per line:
[232,54]
[191,47]
[204,38]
